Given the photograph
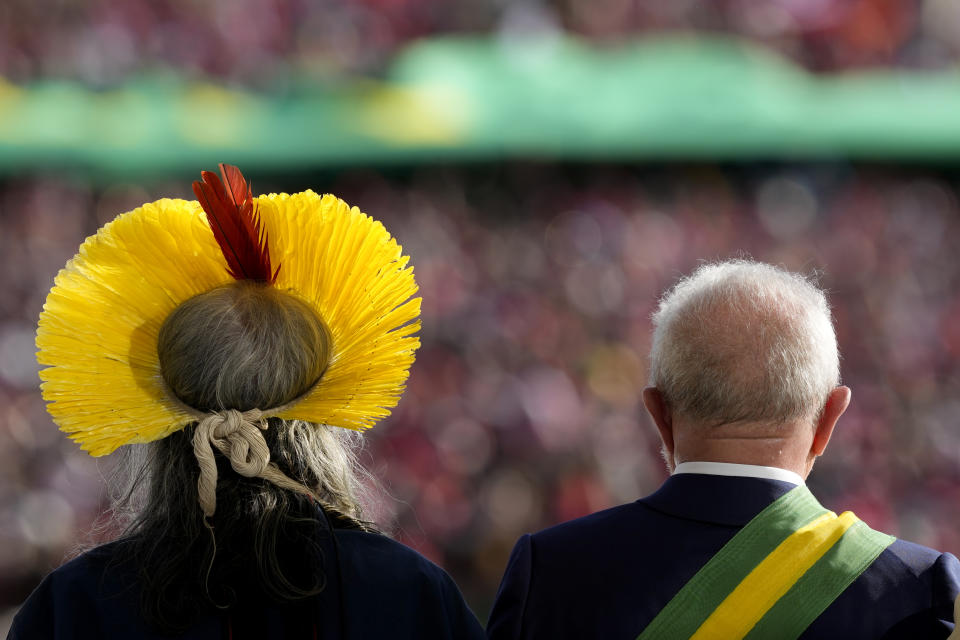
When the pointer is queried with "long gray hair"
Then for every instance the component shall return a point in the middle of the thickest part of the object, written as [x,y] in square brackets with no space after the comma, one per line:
[240,346]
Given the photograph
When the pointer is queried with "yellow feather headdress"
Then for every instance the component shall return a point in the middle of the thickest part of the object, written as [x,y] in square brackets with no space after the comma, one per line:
[99,328]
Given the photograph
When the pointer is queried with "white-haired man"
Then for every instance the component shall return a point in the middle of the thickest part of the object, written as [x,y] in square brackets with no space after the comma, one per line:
[745,394]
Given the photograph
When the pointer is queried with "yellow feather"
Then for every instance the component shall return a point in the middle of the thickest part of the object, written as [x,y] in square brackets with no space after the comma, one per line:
[98,330]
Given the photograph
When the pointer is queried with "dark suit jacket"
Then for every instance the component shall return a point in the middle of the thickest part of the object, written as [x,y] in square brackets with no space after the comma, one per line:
[607,575]
[390,590]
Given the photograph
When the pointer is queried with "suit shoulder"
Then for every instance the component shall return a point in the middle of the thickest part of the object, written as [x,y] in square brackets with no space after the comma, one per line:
[381,548]
[376,554]
[600,523]
[918,559]
[411,591]
[85,571]
[909,588]
[68,593]
[930,574]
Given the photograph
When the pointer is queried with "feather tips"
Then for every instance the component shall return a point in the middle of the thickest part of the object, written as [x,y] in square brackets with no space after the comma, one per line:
[99,328]
[235,223]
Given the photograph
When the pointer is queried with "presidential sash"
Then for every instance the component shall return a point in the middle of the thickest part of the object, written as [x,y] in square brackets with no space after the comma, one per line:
[774,577]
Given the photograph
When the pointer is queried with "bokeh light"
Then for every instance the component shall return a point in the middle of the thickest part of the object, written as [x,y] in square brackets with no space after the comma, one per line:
[538,275]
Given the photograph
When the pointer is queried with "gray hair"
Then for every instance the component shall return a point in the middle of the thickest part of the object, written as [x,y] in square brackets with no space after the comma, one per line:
[144,479]
[264,533]
[245,345]
[241,346]
[744,341]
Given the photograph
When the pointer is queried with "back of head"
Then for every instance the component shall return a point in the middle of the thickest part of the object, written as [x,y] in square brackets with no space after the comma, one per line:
[241,346]
[222,500]
[742,341]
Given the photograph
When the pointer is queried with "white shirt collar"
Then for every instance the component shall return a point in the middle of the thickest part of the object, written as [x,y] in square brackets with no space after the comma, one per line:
[742,470]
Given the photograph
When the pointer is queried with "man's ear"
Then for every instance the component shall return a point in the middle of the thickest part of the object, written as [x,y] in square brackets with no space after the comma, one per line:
[837,403]
[658,409]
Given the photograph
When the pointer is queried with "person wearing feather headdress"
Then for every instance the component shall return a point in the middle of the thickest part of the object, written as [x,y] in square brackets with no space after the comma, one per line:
[230,350]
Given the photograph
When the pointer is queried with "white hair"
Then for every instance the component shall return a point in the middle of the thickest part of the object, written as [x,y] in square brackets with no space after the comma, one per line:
[744,341]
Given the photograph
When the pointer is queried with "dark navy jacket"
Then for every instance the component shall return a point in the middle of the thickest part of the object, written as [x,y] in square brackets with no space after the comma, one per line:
[607,575]
[390,591]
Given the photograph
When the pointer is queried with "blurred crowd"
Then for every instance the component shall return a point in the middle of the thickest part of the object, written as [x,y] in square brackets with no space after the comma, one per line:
[538,280]
[261,43]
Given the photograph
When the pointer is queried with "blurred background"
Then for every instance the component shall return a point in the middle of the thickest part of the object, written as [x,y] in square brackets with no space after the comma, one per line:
[551,167]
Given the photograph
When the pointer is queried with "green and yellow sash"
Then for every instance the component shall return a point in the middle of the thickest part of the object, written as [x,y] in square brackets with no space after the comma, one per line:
[774,577]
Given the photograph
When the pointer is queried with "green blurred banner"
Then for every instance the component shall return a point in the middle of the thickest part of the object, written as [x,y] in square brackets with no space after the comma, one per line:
[463,99]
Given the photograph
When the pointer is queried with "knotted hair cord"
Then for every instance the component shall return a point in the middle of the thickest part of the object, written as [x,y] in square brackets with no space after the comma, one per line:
[237,435]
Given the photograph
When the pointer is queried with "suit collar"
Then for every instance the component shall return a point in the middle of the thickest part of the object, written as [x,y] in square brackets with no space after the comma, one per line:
[726,500]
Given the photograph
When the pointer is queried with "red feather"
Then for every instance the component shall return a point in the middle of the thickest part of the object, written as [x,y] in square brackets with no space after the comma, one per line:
[233,217]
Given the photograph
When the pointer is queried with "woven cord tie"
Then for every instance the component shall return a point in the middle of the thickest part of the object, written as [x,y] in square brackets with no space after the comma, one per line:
[237,436]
